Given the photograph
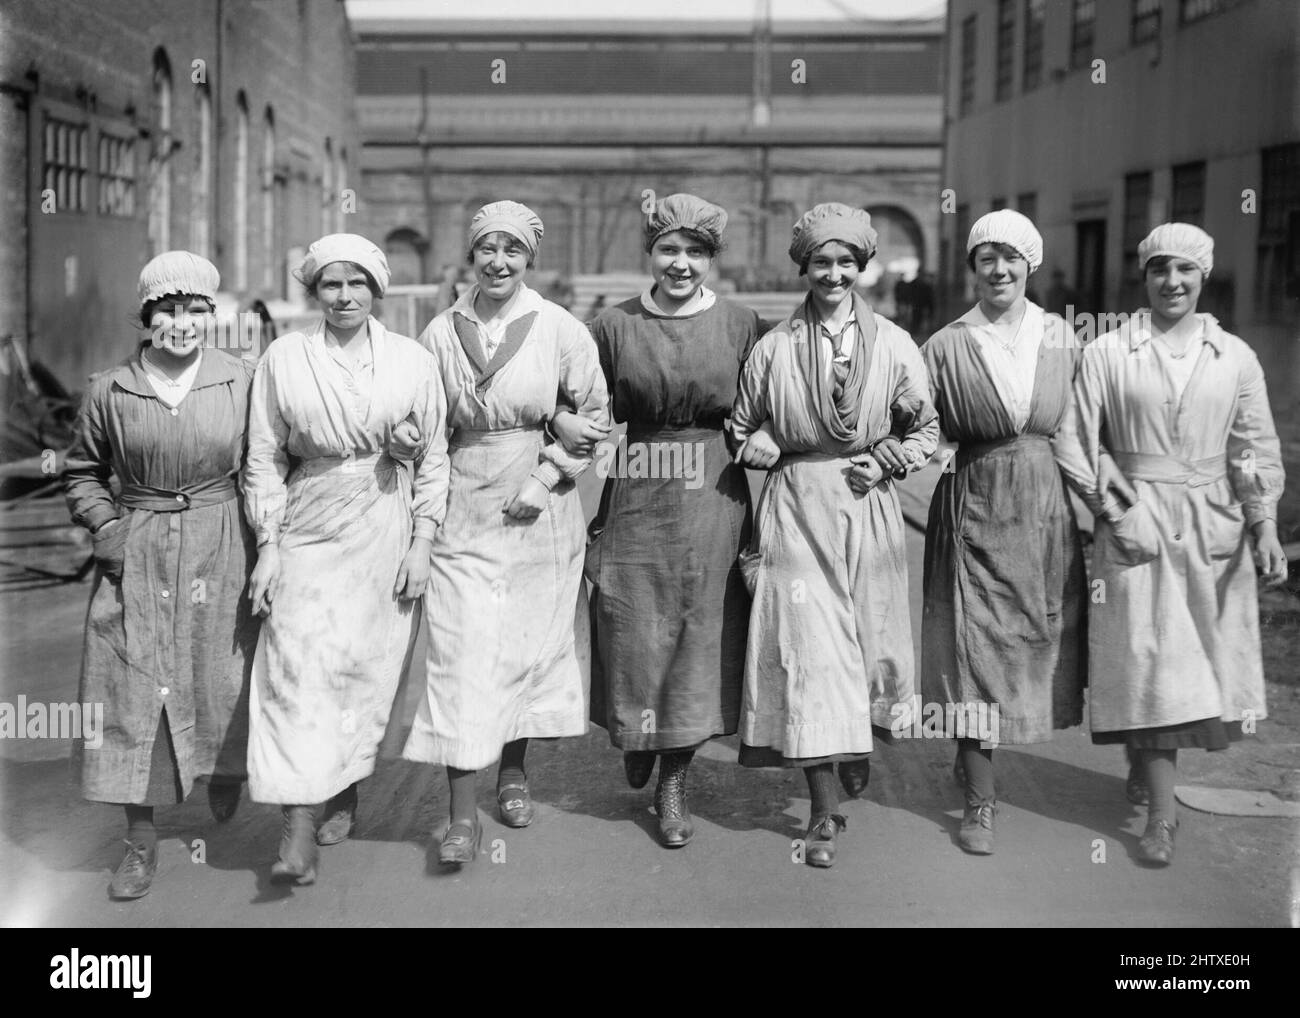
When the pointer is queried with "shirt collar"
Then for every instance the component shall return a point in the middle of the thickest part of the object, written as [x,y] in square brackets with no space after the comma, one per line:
[214,369]
[703,299]
[1139,330]
[525,301]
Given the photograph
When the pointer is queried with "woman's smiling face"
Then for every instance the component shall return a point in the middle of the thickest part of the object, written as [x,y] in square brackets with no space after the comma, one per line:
[500,263]
[179,325]
[832,272]
[679,264]
[1000,275]
[1173,287]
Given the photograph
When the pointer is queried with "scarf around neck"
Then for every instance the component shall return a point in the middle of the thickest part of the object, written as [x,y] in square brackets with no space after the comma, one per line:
[838,407]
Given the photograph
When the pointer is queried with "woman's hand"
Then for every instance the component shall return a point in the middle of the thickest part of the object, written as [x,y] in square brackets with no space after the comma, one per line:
[404,443]
[888,453]
[529,501]
[265,579]
[1270,559]
[110,547]
[413,574]
[577,434]
[1110,479]
[759,451]
[865,473]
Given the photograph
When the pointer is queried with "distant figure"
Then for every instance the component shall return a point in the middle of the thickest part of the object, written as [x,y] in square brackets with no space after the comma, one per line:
[447,291]
[904,294]
[1060,295]
[922,317]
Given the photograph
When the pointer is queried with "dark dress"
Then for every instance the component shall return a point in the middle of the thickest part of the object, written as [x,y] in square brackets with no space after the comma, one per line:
[669,609]
[1003,621]
[169,645]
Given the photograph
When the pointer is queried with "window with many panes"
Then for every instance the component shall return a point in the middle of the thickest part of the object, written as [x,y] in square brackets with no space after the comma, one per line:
[1083,21]
[1277,277]
[1006,49]
[966,98]
[1145,20]
[116,175]
[1031,74]
[1188,204]
[1195,10]
[1137,224]
[65,164]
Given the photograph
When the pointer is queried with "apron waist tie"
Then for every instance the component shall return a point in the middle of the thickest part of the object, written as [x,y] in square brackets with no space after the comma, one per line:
[1157,469]
[969,452]
[169,500]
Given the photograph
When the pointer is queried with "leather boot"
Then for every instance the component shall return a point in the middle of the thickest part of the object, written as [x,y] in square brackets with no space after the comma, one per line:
[675,826]
[298,852]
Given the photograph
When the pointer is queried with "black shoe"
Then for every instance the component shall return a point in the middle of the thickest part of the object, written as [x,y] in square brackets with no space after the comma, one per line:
[460,842]
[675,826]
[515,804]
[819,842]
[976,834]
[1157,845]
[135,873]
[223,799]
[638,765]
[340,817]
[854,775]
[298,852]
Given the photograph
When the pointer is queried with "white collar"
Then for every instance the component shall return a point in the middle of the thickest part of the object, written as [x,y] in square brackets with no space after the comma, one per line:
[702,300]
[524,301]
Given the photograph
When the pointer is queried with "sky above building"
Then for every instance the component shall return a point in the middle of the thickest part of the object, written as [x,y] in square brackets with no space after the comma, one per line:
[671,13]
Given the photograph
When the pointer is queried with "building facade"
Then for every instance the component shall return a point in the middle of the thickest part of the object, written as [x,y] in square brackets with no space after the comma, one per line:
[1102,119]
[130,127]
[584,120]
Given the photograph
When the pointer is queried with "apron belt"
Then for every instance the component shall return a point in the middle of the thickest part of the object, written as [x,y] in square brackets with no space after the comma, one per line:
[168,500]
[1156,469]
[969,452]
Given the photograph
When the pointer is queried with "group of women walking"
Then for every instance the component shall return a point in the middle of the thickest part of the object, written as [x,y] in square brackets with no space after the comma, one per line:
[262,561]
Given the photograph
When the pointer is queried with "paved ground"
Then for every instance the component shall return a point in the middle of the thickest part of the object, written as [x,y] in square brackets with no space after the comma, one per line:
[1066,835]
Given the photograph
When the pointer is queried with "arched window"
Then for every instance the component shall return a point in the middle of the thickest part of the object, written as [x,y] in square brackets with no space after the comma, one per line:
[201,185]
[327,203]
[239,242]
[160,177]
[269,245]
[405,249]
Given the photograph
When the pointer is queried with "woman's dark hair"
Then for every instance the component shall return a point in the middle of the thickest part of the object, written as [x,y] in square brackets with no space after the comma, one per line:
[710,244]
[1005,250]
[169,300]
[469,256]
[859,255]
[352,267]
[1160,261]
